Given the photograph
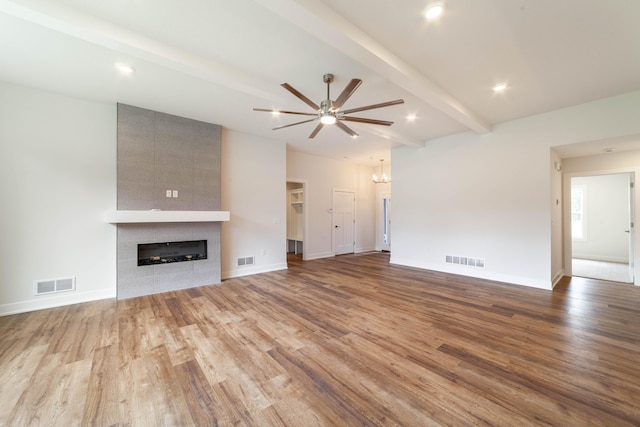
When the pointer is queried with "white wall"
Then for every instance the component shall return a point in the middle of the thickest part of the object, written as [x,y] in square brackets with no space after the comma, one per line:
[321,176]
[254,190]
[58,166]
[487,196]
[58,174]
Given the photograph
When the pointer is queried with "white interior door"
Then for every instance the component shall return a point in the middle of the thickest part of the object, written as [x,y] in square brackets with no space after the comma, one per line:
[386,222]
[343,222]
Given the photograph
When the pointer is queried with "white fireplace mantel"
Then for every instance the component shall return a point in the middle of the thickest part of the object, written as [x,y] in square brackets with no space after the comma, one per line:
[155,215]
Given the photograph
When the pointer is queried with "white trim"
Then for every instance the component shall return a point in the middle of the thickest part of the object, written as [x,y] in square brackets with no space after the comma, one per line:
[478,273]
[320,255]
[152,216]
[249,271]
[42,303]
[557,278]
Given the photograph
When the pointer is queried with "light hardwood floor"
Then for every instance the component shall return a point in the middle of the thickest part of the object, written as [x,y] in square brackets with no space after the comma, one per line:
[331,342]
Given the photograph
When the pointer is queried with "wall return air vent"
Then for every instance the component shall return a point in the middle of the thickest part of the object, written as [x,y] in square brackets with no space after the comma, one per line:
[249,260]
[463,260]
[52,286]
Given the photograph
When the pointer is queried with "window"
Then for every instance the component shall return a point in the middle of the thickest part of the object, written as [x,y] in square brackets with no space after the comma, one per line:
[578,217]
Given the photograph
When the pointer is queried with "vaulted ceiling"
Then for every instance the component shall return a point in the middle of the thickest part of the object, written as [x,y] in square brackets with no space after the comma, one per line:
[215,60]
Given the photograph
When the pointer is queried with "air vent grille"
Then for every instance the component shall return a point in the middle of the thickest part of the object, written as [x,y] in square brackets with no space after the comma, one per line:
[51,286]
[249,260]
[463,260]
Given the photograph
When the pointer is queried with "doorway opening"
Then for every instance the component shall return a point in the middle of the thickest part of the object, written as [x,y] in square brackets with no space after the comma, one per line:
[296,220]
[602,227]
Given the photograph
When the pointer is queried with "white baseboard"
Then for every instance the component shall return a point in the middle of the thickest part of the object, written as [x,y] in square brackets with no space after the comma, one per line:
[477,273]
[66,298]
[248,271]
[309,257]
[557,278]
[367,249]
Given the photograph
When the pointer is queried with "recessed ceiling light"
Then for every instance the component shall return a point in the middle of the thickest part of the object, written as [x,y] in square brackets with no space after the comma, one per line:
[609,150]
[125,68]
[500,87]
[275,113]
[434,10]
[411,117]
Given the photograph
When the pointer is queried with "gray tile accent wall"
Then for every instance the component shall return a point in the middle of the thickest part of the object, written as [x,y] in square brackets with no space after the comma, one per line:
[134,280]
[159,152]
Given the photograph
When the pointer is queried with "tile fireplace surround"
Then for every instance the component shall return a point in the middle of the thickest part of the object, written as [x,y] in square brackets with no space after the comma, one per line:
[159,152]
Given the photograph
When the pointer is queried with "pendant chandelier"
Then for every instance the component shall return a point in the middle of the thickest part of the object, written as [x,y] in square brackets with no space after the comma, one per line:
[382,178]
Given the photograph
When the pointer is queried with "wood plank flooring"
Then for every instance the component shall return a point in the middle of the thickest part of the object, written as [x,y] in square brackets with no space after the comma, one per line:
[333,342]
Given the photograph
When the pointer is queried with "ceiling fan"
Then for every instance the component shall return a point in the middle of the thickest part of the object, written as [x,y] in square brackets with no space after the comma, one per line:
[329,112]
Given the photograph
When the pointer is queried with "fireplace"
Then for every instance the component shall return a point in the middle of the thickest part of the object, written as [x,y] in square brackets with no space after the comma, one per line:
[156,233]
[167,252]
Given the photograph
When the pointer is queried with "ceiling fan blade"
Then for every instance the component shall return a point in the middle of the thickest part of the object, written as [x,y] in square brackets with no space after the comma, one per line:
[306,100]
[371,107]
[293,124]
[346,129]
[347,92]
[285,112]
[316,130]
[363,120]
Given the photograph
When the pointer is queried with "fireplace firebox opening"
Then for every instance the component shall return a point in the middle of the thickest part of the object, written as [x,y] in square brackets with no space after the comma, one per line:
[167,252]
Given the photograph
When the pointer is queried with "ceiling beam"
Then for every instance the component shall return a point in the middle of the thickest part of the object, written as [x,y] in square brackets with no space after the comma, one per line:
[66,20]
[335,30]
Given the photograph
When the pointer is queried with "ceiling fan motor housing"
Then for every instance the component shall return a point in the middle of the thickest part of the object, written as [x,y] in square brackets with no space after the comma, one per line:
[326,106]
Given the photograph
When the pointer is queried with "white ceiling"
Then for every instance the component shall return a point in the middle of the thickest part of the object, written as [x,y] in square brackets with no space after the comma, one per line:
[214,60]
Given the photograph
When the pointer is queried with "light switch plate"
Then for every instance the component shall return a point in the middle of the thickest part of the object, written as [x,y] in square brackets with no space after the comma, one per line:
[168,193]
[175,194]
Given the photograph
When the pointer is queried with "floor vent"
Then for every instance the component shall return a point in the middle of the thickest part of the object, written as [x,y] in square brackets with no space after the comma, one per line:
[51,286]
[246,261]
[462,260]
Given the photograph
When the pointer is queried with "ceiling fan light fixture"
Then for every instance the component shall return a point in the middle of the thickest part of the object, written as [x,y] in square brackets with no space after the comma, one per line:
[327,119]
